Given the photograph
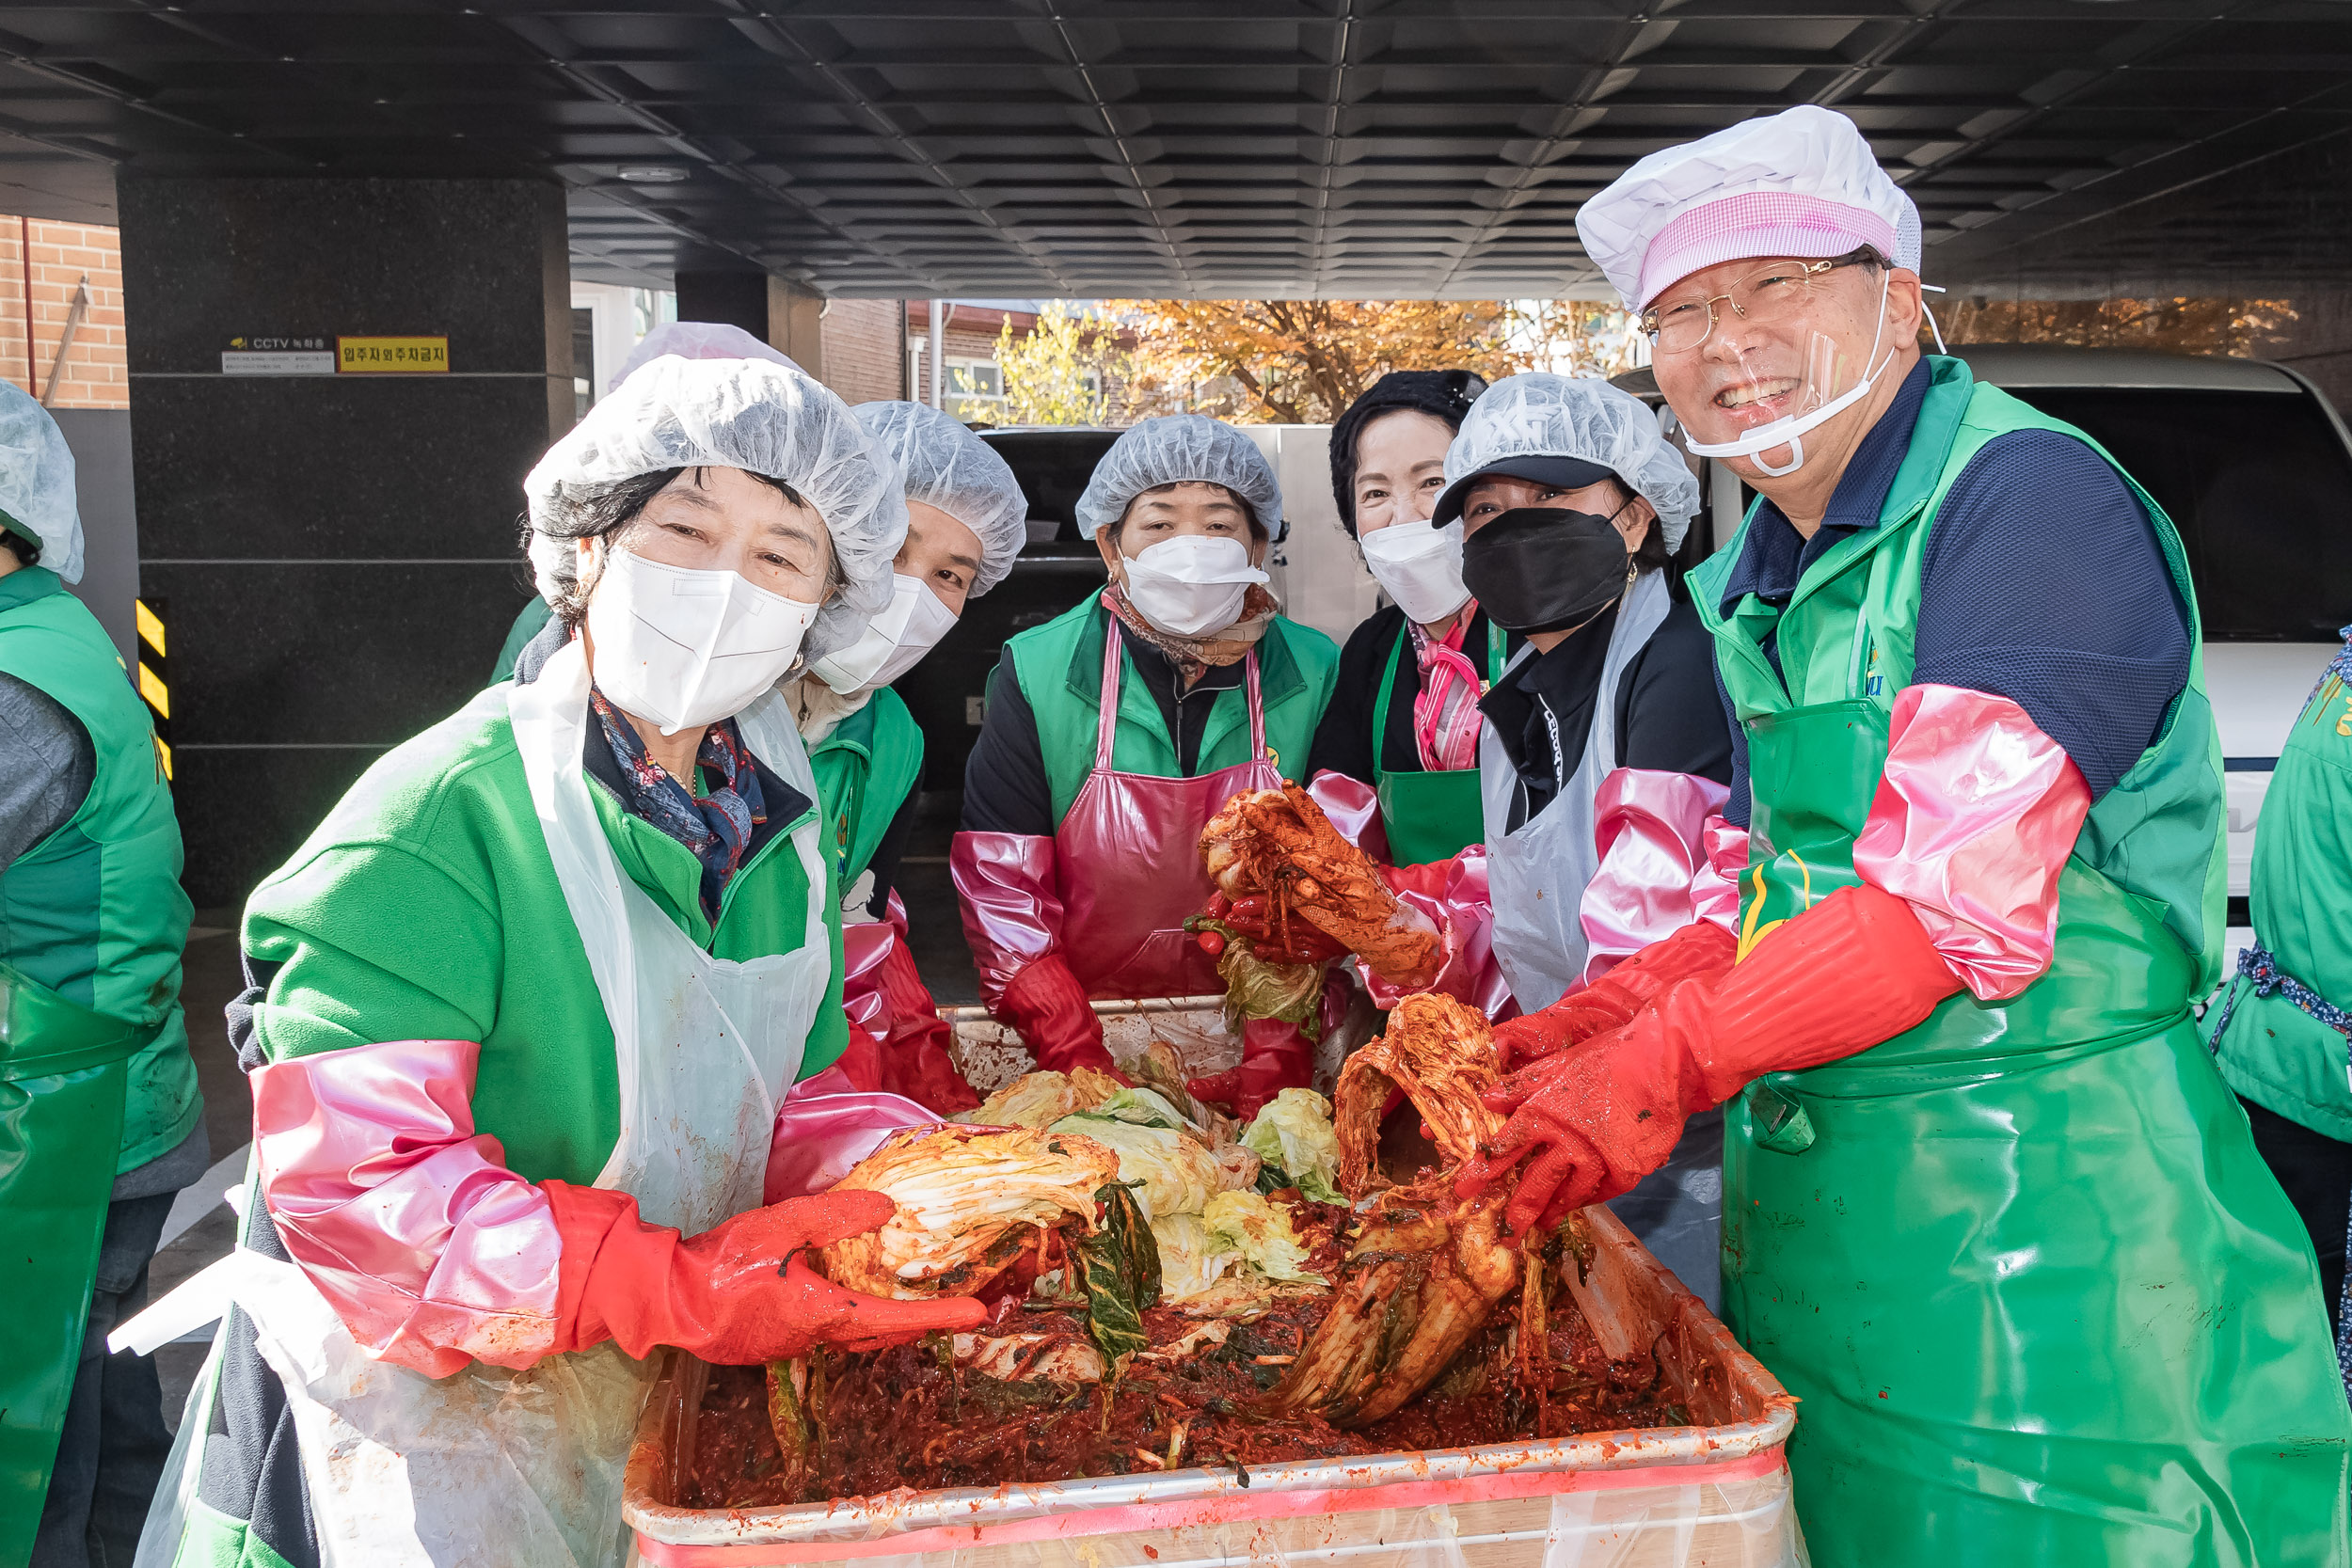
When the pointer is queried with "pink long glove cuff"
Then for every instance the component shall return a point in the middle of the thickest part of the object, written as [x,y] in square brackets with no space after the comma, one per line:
[1974,816]
[1715,886]
[1011,915]
[1650,828]
[1353,808]
[407,1220]
[898,1042]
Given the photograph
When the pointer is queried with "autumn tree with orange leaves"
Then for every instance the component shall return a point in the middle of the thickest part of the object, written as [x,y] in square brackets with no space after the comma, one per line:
[1302,361]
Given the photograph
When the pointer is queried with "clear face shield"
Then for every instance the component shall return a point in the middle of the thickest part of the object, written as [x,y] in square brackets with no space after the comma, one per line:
[1782,354]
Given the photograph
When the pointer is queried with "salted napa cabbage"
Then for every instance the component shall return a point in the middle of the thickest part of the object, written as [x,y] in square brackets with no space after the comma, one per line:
[1040,1098]
[1144,1107]
[1178,1171]
[1293,1137]
[968,1200]
[1260,1231]
[1189,1261]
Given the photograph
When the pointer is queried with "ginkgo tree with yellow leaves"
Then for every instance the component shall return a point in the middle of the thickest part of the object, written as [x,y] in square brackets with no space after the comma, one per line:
[1286,362]
[1302,361]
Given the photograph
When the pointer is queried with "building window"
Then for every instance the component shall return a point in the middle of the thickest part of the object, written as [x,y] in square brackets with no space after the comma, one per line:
[976,390]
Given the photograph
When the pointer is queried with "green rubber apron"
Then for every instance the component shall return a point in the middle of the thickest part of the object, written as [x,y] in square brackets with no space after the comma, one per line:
[1431,813]
[2040,1298]
[62,1074]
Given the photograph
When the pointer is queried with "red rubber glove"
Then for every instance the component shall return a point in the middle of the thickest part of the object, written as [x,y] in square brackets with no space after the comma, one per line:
[729,1296]
[1851,970]
[1699,948]
[1048,1007]
[1274,1056]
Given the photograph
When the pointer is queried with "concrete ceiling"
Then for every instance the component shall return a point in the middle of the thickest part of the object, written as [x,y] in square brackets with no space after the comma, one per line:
[1085,148]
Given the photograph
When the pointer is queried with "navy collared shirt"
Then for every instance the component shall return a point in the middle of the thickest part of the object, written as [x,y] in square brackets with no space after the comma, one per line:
[2042,581]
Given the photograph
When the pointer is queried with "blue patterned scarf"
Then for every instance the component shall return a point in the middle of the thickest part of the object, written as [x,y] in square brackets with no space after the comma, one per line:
[715,827]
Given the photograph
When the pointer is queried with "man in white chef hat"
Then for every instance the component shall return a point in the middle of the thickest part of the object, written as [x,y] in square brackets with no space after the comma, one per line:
[1988,1209]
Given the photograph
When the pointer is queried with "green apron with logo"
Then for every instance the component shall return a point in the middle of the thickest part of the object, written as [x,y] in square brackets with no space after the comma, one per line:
[1430,814]
[95,1077]
[2040,1298]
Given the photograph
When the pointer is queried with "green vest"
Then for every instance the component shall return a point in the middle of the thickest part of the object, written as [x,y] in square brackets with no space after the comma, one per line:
[2272,1052]
[865,768]
[425,907]
[95,912]
[1060,666]
[2039,1295]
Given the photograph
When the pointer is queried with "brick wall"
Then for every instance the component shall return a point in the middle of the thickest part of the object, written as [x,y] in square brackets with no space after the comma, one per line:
[63,255]
[864,360]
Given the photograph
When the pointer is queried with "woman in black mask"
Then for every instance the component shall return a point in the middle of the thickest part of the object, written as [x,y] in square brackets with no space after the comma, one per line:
[1605,750]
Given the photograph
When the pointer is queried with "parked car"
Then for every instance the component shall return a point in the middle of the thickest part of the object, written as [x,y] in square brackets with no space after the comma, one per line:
[2254,467]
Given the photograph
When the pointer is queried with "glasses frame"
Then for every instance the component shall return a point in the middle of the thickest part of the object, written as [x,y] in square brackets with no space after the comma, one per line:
[1652,326]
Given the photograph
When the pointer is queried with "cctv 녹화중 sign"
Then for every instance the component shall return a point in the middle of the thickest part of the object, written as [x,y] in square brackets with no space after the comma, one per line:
[253,355]
[391,355]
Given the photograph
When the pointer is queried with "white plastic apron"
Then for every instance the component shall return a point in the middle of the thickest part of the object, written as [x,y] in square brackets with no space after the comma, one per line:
[1538,876]
[495,1467]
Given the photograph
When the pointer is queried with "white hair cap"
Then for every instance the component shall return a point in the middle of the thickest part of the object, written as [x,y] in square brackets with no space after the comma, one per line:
[698,340]
[1171,450]
[37,483]
[748,414]
[1541,415]
[946,466]
[1802,182]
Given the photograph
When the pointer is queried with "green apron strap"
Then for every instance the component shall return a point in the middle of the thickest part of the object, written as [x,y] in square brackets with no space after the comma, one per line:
[65,1067]
[1380,705]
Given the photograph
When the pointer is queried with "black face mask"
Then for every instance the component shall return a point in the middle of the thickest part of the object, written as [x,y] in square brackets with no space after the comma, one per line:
[1536,569]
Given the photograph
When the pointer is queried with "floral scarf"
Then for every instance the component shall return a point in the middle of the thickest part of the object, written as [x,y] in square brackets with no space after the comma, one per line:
[715,827]
[1192,655]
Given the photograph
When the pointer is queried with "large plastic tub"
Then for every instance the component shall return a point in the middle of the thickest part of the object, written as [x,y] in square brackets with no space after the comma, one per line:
[1713,1494]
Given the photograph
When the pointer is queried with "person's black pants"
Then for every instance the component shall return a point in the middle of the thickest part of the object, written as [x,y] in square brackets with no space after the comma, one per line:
[112,1451]
[2317,1172]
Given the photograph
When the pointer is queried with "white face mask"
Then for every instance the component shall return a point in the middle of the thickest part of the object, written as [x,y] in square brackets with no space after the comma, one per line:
[893,643]
[1421,566]
[685,648]
[1192,585]
[1788,431]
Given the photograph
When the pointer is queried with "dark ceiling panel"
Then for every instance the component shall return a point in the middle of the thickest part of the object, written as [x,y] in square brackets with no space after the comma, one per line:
[1359,147]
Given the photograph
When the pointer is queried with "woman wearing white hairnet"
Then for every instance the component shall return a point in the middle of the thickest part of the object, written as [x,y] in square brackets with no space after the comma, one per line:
[524,1009]
[1116,731]
[680,339]
[966,520]
[1603,751]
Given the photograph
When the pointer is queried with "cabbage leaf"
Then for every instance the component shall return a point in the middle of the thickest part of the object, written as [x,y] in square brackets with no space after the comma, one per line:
[1260,1231]
[1293,1138]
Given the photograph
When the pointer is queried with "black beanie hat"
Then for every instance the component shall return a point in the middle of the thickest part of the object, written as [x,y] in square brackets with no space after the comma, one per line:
[1442,394]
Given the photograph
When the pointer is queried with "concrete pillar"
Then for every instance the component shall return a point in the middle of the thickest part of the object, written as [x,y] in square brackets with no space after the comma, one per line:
[739,298]
[335,553]
[782,315]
